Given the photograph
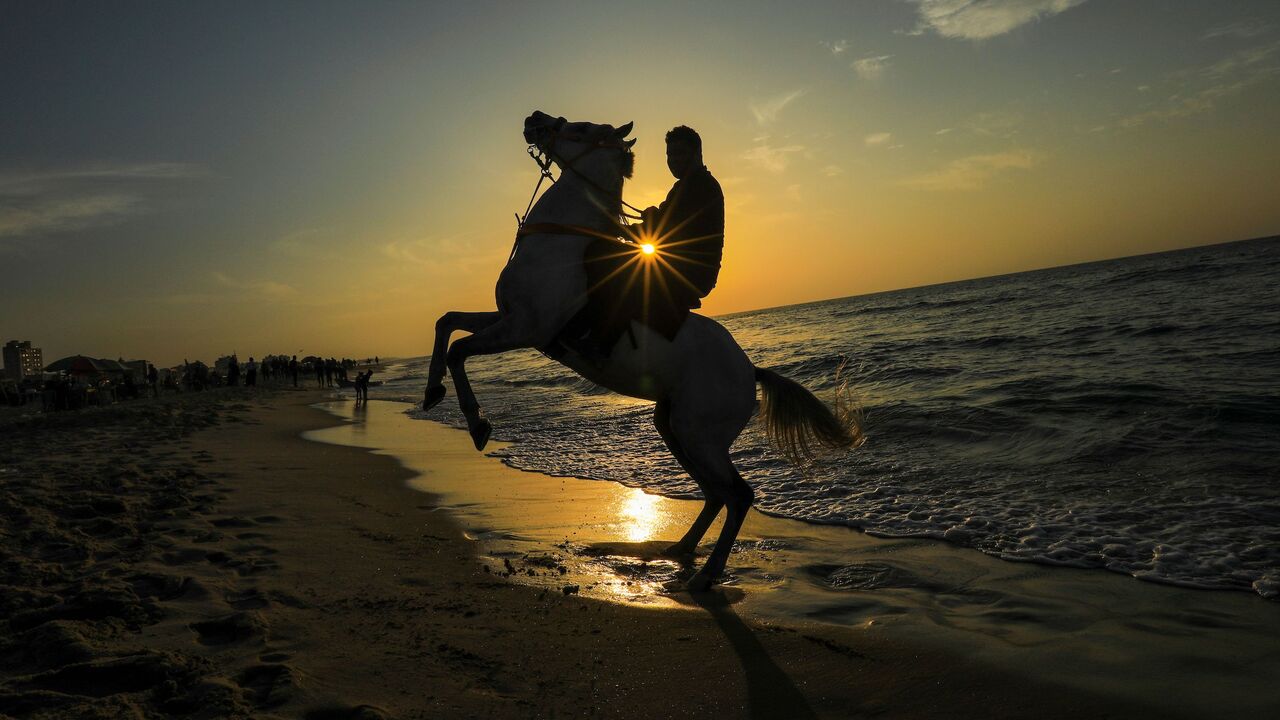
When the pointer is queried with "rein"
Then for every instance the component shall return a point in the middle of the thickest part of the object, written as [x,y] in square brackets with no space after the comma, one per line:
[562,229]
[544,162]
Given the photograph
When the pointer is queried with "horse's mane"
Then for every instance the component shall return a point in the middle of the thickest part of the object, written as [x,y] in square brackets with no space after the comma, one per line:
[626,163]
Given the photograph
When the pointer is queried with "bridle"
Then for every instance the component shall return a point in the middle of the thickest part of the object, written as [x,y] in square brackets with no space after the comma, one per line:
[544,161]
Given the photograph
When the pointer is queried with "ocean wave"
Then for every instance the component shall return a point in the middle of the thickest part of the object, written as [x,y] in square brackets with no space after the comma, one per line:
[1117,415]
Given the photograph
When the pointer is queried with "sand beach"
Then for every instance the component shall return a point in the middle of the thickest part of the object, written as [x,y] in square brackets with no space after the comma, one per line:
[195,556]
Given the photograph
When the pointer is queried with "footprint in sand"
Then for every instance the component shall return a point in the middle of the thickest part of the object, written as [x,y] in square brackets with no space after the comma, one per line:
[342,712]
[236,627]
[269,685]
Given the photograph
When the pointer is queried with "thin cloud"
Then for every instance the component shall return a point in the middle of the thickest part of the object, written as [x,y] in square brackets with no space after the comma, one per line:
[36,181]
[54,215]
[766,111]
[999,123]
[972,172]
[875,139]
[871,68]
[267,289]
[37,203]
[1226,78]
[773,159]
[982,19]
[835,47]
[833,171]
[453,253]
[1244,29]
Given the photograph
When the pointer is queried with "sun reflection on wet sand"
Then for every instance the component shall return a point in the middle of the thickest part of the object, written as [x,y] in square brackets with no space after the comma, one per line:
[641,515]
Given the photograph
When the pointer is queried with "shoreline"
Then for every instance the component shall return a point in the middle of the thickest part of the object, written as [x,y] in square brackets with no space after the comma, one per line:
[197,557]
[877,535]
[1097,625]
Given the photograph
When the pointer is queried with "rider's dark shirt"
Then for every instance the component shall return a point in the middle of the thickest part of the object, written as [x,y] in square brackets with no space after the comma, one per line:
[689,232]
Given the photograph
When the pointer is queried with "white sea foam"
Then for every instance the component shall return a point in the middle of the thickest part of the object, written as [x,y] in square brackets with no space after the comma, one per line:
[1118,415]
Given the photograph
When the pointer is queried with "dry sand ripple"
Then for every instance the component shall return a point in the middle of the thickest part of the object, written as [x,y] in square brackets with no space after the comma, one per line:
[117,567]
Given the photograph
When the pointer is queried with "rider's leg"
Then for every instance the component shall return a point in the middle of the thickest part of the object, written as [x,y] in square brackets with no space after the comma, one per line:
[711,501]
[508,333]
[445,326]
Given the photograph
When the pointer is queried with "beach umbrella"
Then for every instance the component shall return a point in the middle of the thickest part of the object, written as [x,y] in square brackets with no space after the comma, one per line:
[108,365]
[75,364]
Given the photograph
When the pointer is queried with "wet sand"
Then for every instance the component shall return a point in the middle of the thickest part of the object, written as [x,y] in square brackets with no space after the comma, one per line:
[1156,646]
[195,557]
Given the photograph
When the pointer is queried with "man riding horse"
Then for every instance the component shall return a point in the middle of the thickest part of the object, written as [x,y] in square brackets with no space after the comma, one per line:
[685,234]
[702,384]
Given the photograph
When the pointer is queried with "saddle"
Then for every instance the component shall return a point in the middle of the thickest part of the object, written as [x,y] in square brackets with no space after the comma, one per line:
[616,278]
[623,286]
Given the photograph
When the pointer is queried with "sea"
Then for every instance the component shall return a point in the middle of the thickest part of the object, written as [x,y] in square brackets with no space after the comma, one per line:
[1122,415]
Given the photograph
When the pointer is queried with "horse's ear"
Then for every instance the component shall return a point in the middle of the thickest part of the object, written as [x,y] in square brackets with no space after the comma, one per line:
[623,131]
[628,143]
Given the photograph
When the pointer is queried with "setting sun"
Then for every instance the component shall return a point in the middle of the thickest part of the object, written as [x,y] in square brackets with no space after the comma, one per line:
[647,249]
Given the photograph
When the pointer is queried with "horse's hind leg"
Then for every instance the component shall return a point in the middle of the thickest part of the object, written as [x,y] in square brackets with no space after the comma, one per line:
[737,496]
[445,326]
[704,432]
[711,501]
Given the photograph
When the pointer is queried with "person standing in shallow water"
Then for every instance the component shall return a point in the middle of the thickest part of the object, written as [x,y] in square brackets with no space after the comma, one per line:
[687,234]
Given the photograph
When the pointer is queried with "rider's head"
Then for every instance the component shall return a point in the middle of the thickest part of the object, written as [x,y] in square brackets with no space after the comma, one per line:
[684,150]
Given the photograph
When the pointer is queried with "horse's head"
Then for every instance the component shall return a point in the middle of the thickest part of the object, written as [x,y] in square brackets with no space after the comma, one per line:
[586,147]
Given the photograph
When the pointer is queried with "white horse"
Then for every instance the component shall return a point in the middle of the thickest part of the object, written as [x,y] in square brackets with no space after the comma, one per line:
[702,381]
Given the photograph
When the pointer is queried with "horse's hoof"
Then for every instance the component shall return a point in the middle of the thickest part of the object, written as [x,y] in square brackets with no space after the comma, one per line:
[480,433]
[433,396]
[700,582]
[677,551]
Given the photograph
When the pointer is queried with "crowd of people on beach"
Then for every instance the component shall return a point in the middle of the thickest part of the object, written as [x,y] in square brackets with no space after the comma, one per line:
[75,390]
[271,370]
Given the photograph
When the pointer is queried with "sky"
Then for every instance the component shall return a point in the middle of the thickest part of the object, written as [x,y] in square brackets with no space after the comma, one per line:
[185,180]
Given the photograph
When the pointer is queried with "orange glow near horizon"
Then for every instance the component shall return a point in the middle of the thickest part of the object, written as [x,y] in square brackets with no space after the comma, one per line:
[859,150]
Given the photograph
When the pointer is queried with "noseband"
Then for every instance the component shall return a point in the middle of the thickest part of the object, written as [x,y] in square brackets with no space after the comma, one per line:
[544,161]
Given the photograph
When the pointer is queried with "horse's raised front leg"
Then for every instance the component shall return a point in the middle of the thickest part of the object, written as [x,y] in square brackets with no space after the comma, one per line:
[510,332]
[445,326]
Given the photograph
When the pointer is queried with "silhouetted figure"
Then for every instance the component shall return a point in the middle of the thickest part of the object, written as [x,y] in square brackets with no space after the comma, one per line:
[687,233]
[153,379]
[293,369]
[362,386]
[233,372]
[250,373]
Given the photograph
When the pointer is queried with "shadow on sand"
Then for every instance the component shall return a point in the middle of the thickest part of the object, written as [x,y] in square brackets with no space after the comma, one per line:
[770,692]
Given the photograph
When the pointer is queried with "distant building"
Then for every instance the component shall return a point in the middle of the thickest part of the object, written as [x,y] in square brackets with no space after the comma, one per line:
[22,361]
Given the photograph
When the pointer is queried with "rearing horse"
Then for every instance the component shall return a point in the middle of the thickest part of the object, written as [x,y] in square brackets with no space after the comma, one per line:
[702,381]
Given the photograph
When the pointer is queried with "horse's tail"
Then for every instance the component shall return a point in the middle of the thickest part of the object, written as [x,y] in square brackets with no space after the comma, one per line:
[796,421]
